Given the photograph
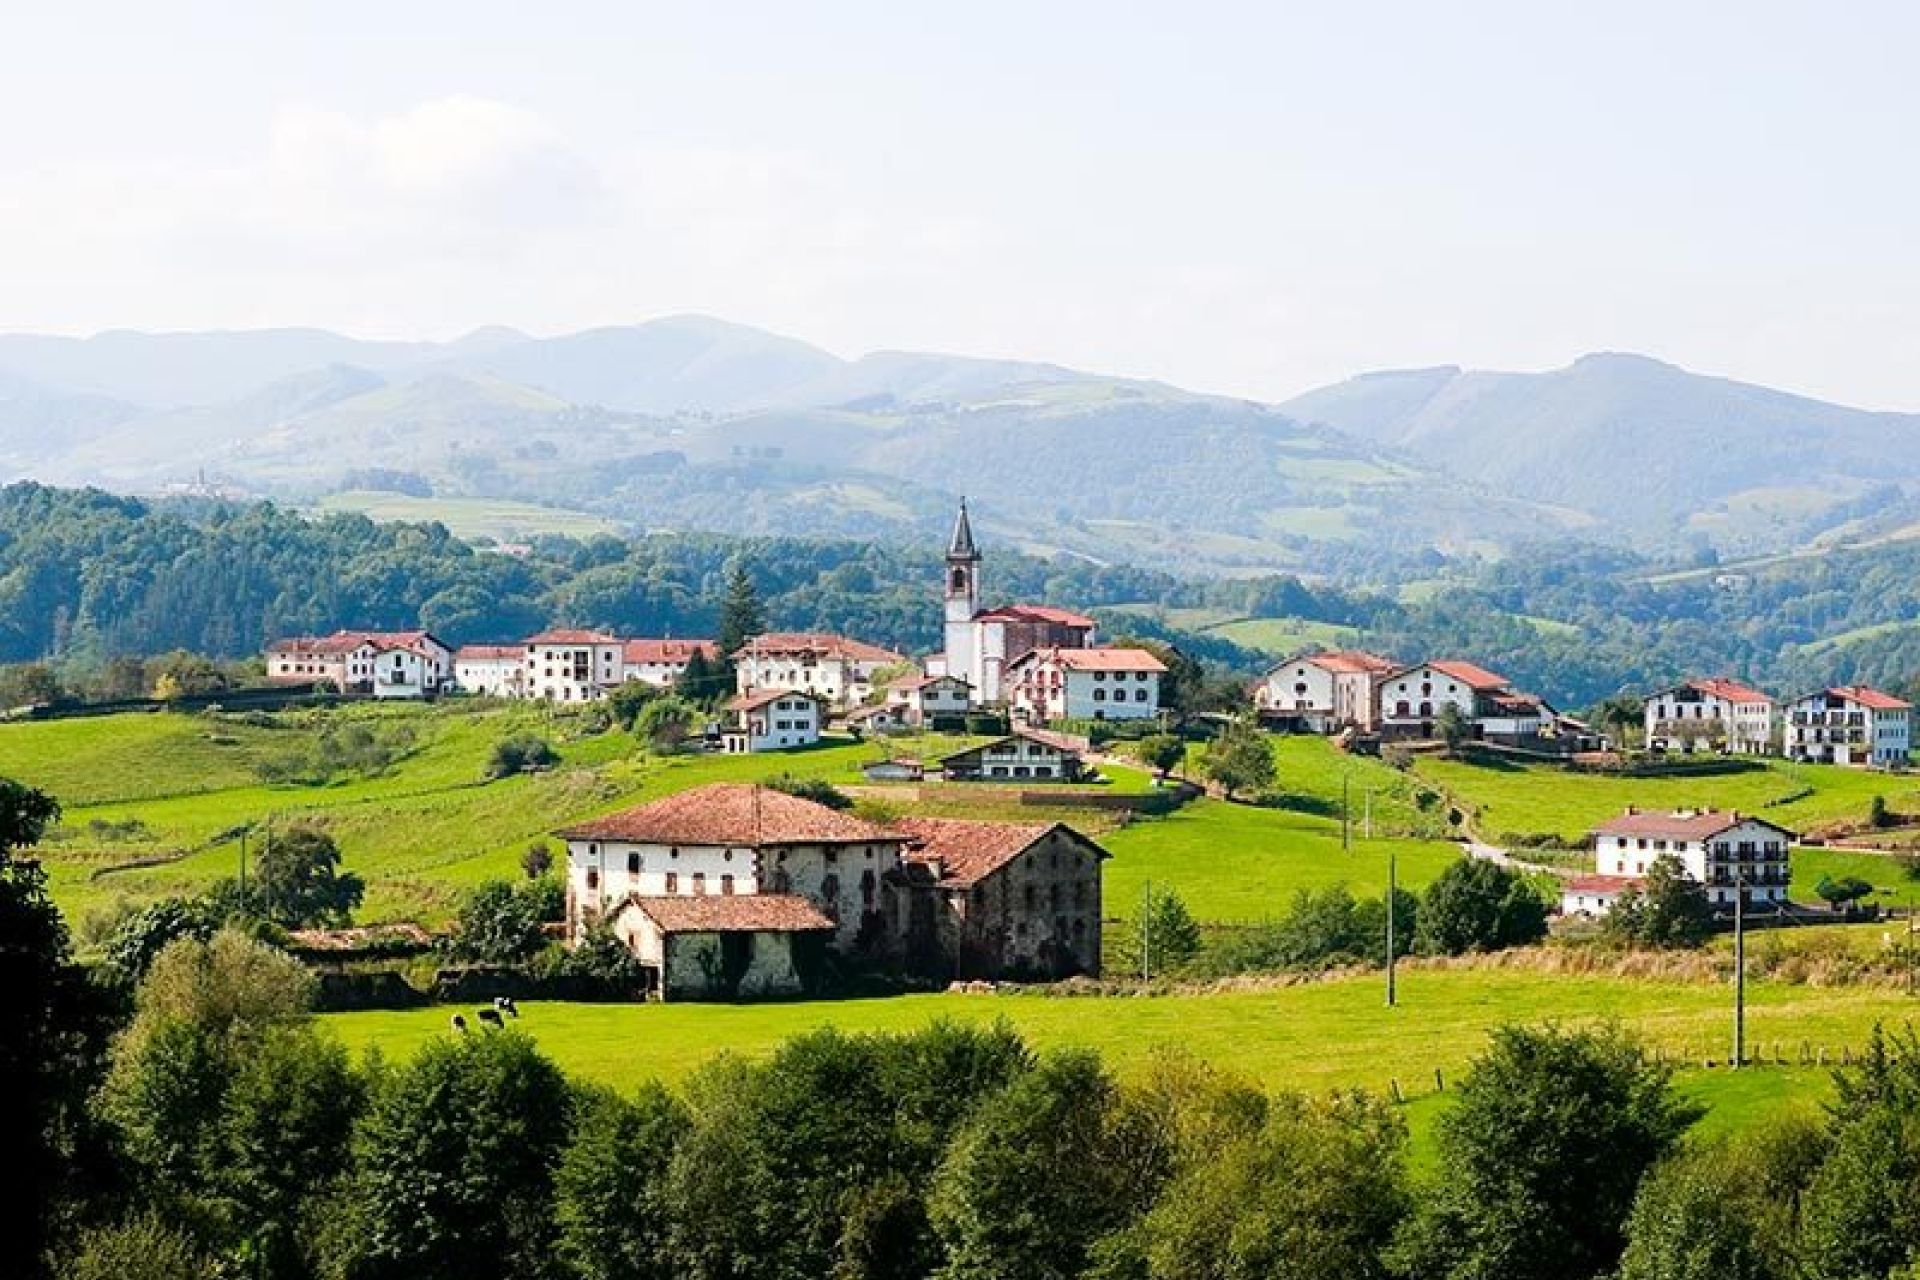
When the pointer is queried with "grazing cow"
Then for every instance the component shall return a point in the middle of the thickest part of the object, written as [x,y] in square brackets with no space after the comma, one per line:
[490,1018]
[506,1005]
[459,1024]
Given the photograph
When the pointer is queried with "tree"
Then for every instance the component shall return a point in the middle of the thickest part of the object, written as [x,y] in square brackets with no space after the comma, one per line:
[1161,752]
[1541,1154]
[1168,930]
[1030,1183]
[1841,893]
[1452,726]
[611,1207]
[1621,717]
[142,936]
[29,684]
[1861,1212]
[666,723]
[1241,759]
[146,1245]
[502,922]
[521,753]
[703,681]
[1725,1210]
[1668,908]
[1479,905]
[742,616]
[182,674]
[536,859]
[300,884]
[625,703]
[456,1160]
[49,1041]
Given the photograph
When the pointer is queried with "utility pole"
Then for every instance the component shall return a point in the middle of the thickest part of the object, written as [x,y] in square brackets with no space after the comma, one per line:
[1739,964]
[1367,830]
[1910,956]
[1346,813]
[1393,887]
[243,864]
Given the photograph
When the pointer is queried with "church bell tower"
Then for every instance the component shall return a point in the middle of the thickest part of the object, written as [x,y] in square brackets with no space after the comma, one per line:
[962,600]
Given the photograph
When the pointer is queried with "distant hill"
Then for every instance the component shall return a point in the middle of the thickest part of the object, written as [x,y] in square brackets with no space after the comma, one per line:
[1645,446]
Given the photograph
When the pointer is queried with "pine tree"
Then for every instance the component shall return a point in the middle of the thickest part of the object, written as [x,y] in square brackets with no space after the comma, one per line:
[741,613]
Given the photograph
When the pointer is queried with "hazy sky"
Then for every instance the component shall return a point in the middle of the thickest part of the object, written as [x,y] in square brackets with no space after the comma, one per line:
[1247,198]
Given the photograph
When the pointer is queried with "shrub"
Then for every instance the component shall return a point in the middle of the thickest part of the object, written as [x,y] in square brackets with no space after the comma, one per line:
[521,753]
[1241,759]
[142,936]
[818,790]
[1667,909]
[502,922]
[1476,905]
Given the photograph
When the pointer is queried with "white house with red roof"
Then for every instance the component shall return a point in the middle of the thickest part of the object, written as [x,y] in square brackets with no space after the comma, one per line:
[1025,755]
[661,662]
[1044,685]
[922,699]
[1716,713]
[1721,850]
[1411,701]
[1851,725]
[839,669]
[572,665]
[1323,692]
[980,644]
[491,670]
[386,664]
[773,720]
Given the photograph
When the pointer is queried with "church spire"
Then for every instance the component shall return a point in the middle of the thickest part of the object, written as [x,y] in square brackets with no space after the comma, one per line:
[962,548]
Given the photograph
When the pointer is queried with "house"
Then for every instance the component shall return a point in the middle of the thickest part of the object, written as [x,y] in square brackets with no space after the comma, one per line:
[1718,713]
[1718,849]
[1025,755]
[1851,724]
[980,644]
[896,769]
[1412,700]
[661,662]
[926,700]
[573,665]
[990,900]
[391,664]
[493,670]
[838,669]
[1323,692]
[773,720]
[884,717]
[1045,685]
[731,890]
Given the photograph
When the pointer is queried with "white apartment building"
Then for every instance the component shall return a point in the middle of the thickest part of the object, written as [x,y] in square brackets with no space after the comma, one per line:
[1851,725]
[836,668]
[1720,850]
[661,662]
[1045,685]
[570,666]
[1712,714]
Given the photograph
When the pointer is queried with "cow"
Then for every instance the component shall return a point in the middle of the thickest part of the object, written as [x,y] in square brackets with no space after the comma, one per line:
[490,1018]
[459,1024]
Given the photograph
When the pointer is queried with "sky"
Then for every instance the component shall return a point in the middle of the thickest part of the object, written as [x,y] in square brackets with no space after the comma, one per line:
[1251,199]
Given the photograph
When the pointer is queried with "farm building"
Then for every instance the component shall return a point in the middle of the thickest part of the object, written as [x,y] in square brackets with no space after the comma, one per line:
[1718,849]
[1025,755]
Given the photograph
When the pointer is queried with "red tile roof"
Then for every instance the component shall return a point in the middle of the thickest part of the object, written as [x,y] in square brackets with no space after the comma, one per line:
[476,652]
[1598,884]
[1035,613]
[1095,659]
[1352,662]
[1468,674]
[1727,689]
[753,698]
[965,853]
[821,643]
[1866,696]
[730,913]
[1065,743]
[1683,824]
[564,635]
[731,814]
[348,641]
[637,652]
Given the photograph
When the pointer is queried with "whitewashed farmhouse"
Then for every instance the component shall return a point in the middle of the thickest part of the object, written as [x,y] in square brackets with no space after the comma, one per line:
[662,662]
[773,720]
[1712,714]
[1323,692]
[1720,850]
[1025,755]
[386,664]
[571,666]
[491,670]
[1045,685]
[840,670]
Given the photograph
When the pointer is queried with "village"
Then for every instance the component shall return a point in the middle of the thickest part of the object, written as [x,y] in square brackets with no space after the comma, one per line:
[736,890]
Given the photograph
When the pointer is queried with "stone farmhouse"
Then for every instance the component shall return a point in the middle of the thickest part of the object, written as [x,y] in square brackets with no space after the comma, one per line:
[1719,714]
[385,664]
[773,720]
[731,891]
[980,644]
[1323,692]
[1045,685]
[1721,850]
[840,670]
[1851,725]
[1025,755]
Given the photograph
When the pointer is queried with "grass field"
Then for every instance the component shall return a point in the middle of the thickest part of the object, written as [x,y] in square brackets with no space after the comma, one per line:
[497,518]
[1314,1036]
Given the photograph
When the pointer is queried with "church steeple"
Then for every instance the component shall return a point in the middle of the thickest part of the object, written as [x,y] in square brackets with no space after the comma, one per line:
[961,547]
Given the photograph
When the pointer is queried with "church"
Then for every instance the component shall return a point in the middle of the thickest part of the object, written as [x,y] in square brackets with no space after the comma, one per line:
[980,643]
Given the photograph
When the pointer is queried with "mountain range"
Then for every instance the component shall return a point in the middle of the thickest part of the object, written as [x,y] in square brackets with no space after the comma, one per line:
[692,422]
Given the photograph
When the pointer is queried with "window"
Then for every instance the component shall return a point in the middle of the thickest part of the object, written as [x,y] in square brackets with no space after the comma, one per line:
[1030,897]
[699,884]
[726,885]
[593,878]
[633,864]
[673,882]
